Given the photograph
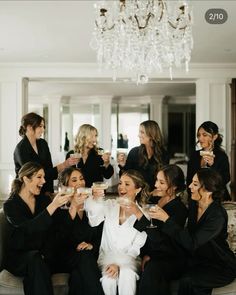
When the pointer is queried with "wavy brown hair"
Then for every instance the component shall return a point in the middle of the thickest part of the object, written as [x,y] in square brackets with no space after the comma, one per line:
[153,131]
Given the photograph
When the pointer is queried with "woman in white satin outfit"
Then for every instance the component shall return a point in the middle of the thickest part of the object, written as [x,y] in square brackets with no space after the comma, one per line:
[121,242]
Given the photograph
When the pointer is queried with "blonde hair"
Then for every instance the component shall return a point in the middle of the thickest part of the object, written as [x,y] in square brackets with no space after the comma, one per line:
[81,137]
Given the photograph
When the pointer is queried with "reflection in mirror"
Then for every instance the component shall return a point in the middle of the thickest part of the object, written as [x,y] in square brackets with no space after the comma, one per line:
[73,116]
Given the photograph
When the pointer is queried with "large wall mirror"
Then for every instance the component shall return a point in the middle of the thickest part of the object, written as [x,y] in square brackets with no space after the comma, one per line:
[115,111]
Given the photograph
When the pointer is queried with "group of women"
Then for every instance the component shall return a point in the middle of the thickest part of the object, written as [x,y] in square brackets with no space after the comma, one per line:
[106,245]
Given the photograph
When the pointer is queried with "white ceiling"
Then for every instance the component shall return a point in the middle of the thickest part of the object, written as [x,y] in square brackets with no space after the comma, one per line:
[60,31]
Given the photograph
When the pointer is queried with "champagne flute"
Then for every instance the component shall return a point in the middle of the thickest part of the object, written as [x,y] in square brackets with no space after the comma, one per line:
[66,190]
[148,208]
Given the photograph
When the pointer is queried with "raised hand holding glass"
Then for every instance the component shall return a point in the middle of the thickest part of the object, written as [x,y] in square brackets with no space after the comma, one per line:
[148,207]
[66,190]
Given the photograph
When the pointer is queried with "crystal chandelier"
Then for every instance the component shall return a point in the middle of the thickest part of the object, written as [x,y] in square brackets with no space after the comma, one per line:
[142,36]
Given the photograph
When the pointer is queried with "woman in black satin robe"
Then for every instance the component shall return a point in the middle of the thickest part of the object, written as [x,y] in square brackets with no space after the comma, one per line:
[163,258]
[35,149]
[77,242]
[29,214]
[211,263]
[150,156]
[94,166]
[210,139]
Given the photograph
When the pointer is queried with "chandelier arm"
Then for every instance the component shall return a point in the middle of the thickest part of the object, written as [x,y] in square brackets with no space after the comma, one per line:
[182,8]
[162,4]
[103,28]
[146,22]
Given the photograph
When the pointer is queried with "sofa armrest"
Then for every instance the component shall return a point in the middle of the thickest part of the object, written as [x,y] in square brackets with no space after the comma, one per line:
[4,234]
[231,211]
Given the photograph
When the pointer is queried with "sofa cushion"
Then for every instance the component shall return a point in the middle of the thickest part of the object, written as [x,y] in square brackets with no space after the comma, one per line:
[10,281]
[226,290]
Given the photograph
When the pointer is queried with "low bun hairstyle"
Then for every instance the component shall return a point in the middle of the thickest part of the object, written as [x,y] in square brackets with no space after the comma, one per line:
[31,119]
[174,177]
[211,181]
[139,182]
[212,128]
[28,170]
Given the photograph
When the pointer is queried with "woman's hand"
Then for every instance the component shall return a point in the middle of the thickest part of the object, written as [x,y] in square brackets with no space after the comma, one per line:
[106,158]
[157,212]
[145,259]
[67,163]
[209,159]
[72,161]
[59,200]
[121,159]
[132,208]
[98,193]
[79,198]
[112,271]
[84,246]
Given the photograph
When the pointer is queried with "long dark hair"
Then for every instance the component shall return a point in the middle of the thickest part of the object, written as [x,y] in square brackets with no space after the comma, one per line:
[153,131]
[139,182]
[28,170]
[212,128]
[211,181]
[174,177]
[31,119]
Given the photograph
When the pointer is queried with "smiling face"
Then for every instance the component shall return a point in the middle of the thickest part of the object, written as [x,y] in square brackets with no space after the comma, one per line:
[144,139]
[35,183]
[195,188]
[76,180]
[206,139]
[37,132]
[162,185]
[126,187]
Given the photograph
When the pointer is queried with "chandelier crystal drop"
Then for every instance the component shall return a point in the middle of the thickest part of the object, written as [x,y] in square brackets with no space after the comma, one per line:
[142,36]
